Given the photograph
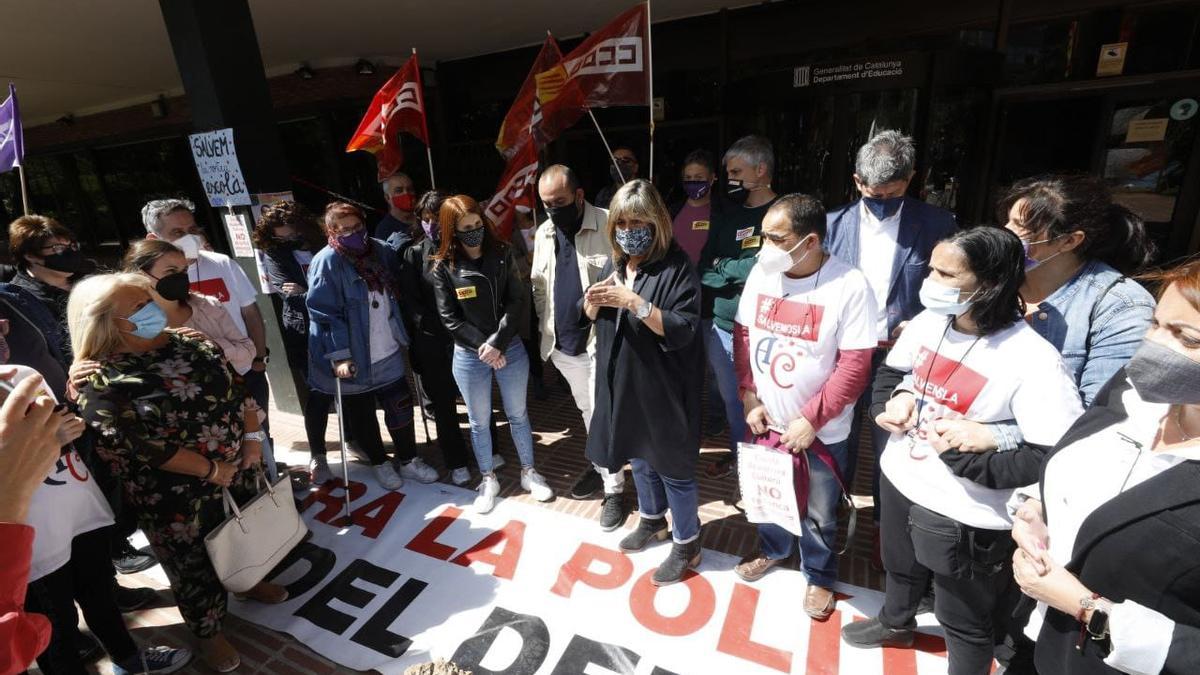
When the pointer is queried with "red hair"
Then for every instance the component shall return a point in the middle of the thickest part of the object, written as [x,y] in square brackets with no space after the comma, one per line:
[337,210]
[1185,277]
[453,210]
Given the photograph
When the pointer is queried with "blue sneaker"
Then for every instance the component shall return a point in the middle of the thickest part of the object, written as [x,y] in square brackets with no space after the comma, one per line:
[154,660]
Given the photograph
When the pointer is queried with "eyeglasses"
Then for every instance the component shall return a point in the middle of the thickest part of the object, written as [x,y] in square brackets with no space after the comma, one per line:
[59,248]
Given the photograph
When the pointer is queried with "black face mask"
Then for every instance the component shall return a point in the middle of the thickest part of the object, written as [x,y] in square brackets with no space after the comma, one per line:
[625,174]
[173,286]
[70,260]
[565,217]
[736,191]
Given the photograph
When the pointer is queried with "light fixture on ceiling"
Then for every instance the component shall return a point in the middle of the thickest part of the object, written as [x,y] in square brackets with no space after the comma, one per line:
[364,67]
[158,107]
[305,73]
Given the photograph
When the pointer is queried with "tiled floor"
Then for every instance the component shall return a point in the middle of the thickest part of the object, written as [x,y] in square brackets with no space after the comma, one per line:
[558,430]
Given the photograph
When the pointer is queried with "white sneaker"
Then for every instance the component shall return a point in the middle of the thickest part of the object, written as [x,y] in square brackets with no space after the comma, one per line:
[532,481]
[488,490]
[318,471]
[418,470]
[386,475]
[497,462]
[460,476]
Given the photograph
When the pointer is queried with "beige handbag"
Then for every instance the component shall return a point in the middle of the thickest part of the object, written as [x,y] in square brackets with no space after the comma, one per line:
[255,537]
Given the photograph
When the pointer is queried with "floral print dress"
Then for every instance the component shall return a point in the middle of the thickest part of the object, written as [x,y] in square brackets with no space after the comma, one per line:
[145,408]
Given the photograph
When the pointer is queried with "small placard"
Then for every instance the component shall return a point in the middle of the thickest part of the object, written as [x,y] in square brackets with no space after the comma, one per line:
[1112,59]
[239,235]
[1147,131]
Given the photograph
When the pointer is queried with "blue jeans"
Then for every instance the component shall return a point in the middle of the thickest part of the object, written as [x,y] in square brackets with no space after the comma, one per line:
[657,493]
[474,379]
[719,346]
[820,526]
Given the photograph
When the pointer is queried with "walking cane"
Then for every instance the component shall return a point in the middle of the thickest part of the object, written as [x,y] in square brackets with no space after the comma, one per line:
[342,442]
[421,404]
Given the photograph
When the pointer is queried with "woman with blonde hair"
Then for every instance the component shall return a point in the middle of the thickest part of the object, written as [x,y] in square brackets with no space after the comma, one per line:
[649,370]
[175,425]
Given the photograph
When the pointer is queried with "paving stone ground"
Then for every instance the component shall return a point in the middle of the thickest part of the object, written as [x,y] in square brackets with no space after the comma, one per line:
[559,435]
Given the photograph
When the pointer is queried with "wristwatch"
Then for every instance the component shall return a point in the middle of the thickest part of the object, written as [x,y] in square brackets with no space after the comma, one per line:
[265,358]
[1097,625]
[259,436]
[643,312]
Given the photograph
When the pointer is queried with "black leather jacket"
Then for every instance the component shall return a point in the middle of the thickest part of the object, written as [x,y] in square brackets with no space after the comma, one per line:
[481,306]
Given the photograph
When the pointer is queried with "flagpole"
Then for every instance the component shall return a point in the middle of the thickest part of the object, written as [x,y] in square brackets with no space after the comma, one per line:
[650,80]
[429,155]
[24,189]
[606,147]
[425,123]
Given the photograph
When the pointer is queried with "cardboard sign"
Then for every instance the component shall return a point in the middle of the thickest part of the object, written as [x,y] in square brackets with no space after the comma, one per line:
[1112,59]
[239,235]
[216,161]
[1147,131]
[768,487]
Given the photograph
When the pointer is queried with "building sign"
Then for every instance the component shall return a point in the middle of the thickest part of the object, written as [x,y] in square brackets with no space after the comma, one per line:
[217,162]
[523,590]
[859,70]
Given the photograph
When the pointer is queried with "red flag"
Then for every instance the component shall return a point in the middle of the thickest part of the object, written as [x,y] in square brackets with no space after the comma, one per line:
[515,188]
[399,105]
[609,68]
[524,115]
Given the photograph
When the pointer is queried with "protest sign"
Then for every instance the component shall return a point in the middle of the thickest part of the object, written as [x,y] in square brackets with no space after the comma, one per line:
[216,161]
[768,487]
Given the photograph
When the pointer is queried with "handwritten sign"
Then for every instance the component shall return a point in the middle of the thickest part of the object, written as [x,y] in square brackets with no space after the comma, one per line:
[216,161]
[768,488]
[239,235]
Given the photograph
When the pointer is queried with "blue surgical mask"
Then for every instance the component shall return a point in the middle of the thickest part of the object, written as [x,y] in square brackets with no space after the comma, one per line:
[942,299]
[883,208]
[634,240]
[149,321]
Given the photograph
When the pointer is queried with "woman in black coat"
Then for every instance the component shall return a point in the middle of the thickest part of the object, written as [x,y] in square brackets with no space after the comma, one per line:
[1108,546]
[649,370]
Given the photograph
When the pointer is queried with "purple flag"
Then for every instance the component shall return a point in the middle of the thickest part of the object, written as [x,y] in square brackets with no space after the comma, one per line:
[12,143]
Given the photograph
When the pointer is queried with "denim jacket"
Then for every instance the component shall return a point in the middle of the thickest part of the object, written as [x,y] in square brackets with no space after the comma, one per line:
[1096,321]
[339,321]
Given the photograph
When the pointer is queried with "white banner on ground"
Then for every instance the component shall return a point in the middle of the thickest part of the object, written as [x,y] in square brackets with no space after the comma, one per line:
[528,591]
[768,487]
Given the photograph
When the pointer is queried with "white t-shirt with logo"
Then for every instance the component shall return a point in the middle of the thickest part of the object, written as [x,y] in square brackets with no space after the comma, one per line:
[218,276]
[796,327]
[67,504]
[1012,374]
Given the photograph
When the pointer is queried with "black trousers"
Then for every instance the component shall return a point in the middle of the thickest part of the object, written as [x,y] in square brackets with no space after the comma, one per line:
[358,416]
[970,610]
[87,579]
[431,360]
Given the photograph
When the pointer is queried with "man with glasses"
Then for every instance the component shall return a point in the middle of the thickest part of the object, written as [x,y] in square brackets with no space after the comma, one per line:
[625,159]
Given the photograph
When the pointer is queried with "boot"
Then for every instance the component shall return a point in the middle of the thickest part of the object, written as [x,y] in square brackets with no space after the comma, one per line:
[682,558]
[648,529]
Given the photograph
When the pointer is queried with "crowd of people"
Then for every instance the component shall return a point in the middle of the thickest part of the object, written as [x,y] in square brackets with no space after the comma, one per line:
[1004,374]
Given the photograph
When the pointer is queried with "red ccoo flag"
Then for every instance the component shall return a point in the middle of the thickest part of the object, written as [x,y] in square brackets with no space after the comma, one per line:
[399,105]
[515,188]
[609,68]
[524,116]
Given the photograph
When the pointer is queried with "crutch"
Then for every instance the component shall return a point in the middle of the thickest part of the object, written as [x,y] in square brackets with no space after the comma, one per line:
[421,403]
[342,441]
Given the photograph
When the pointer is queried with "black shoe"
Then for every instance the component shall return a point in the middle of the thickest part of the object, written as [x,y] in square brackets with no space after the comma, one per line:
[429,413]
[612,512]
[130,599]
[88,647]
[871,634]
[131,561]
[648,529]
[721,467]
[681,558]
[588,484]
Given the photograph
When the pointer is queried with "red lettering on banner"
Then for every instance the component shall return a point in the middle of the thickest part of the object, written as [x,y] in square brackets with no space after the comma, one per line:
[426,540]
[702,601]
[735,637]
[334,504]
[373,525]
[579,568]
[211,287]
[511,538]
[946,381]
[798,320]
[824,645]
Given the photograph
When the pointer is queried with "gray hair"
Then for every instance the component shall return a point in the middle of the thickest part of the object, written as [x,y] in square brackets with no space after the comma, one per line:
[155,209]
[753,150]
[888,156]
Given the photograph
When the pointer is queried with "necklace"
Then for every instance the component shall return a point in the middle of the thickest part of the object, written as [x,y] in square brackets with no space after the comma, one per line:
[1178,417]
[912,433]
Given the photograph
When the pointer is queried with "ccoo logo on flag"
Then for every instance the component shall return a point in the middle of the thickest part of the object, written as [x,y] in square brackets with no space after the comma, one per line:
[614,55]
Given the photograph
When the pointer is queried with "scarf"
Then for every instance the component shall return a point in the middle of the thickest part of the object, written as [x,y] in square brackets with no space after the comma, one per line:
[368,267]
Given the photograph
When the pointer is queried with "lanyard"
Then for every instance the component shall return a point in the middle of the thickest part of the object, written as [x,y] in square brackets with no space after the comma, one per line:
[912,433]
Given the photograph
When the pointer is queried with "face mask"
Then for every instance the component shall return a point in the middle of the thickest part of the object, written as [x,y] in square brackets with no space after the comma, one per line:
[634,240]
[1032,263]
[149,321]
[883,209]
[427,228]
[190,244]
[471,238]
[70,260]
[942,299]
[173,286]
[696,189]
[564,217]
[774,260]
[737,191]
[624,174]
[1163,375]
[405,201]
[355,241]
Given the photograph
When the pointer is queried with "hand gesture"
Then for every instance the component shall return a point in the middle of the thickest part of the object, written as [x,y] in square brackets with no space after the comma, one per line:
[799,436]
[28,445]
[961,435]
[900,415]
[344,369]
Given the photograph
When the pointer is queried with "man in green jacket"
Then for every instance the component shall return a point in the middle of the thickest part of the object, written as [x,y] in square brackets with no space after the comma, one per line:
[734,239]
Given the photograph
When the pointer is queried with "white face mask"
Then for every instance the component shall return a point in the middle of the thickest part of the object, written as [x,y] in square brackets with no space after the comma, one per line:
[774,260]
[190,244]
[942,299]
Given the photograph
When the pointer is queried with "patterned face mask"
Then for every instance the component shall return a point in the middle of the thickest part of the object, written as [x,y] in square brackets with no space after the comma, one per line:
[634,240]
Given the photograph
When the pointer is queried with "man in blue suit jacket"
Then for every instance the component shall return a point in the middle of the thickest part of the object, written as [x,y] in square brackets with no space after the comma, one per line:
[888,236]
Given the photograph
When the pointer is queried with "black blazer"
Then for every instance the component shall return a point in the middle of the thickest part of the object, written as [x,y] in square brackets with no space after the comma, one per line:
[1142,545]
[485,305]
